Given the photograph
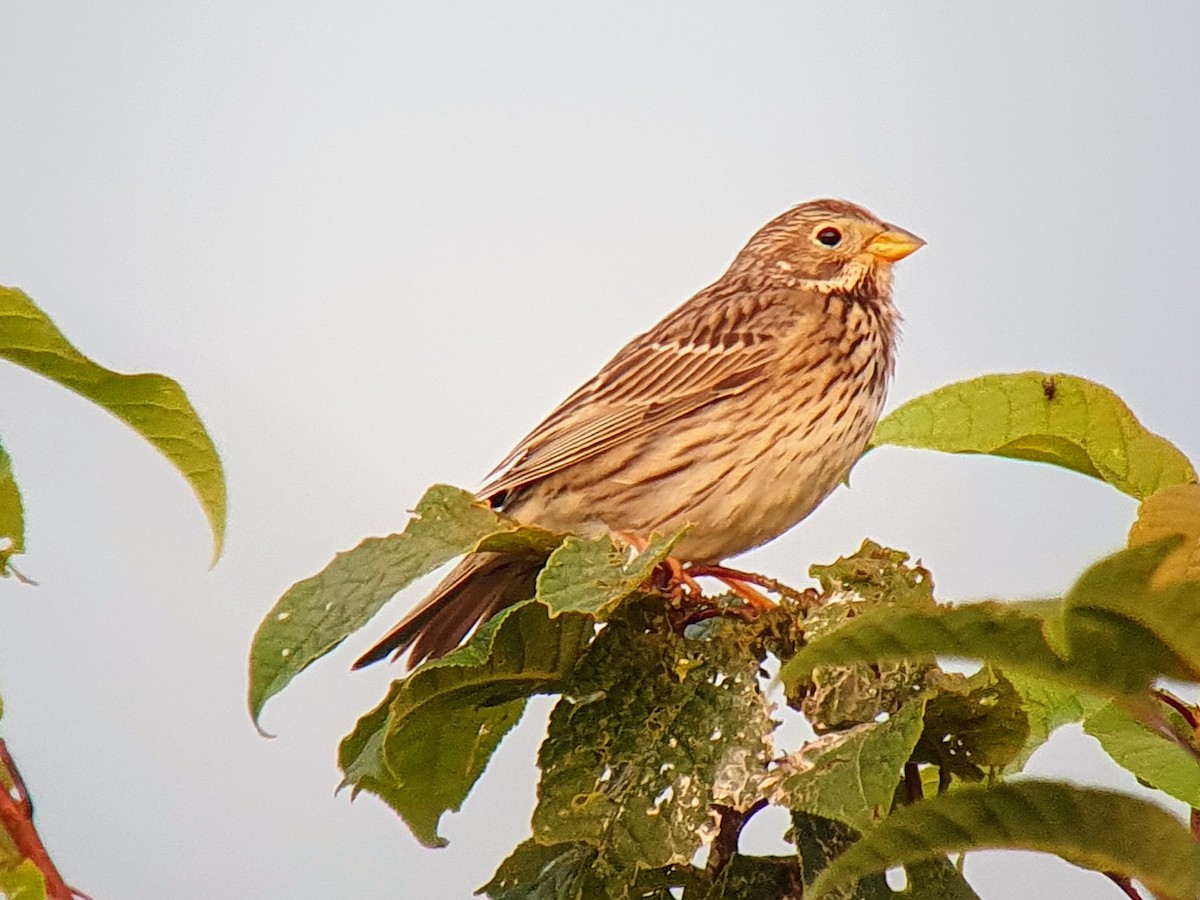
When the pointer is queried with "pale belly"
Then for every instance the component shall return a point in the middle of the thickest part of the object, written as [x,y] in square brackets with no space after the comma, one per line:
[735,486]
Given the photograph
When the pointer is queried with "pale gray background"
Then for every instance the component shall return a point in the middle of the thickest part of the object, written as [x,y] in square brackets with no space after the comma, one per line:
[378,241]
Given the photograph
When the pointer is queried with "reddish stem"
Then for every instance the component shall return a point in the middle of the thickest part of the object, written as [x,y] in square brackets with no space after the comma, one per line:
[16,817]
[1188,712]
[1125,885]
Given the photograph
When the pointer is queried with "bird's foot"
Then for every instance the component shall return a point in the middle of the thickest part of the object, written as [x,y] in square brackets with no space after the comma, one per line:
[739,583]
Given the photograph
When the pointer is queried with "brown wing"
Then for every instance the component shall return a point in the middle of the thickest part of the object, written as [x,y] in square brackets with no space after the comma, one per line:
[648,384]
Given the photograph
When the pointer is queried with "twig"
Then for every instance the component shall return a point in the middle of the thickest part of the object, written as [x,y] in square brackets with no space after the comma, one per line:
[16,817]
[724,845]
[1188,713]
[17,574]
[912,782]
[1125,885]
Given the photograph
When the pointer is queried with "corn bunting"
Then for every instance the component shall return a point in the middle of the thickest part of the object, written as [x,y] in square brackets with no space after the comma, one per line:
[736,414]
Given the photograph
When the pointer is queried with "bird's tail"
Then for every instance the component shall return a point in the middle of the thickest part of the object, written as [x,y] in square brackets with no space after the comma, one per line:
[474,591]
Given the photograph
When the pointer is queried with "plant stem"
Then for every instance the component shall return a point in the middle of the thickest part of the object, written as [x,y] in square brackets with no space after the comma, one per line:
[1125,885]
[16,817]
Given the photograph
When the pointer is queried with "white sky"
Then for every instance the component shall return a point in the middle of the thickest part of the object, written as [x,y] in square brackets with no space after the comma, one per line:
[378,241]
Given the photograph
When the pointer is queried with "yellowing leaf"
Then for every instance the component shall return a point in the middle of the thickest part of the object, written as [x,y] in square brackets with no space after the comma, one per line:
[1173,510]
[1059,419]
[152,405]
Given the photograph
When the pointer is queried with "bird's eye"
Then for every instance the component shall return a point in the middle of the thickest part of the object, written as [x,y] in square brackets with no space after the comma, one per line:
[830,237]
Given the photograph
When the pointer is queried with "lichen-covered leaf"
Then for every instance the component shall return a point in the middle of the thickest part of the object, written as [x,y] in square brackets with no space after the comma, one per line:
[1159,762]
[1095,829]
[594,575]
[1173,510]
[12,516]
[972,724]
[424,747]
[316,614]
[152,405]
[651,730]
[1054,418]
[850,776]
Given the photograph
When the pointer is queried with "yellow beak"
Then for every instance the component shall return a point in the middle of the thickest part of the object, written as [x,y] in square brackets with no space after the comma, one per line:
[894,244]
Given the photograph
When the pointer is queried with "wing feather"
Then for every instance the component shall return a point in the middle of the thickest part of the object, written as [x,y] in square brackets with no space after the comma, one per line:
[645,386]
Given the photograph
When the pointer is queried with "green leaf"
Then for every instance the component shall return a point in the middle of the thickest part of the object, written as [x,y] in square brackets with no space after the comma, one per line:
[1112,634]
[23,882]
[424,747]
[537,872]
[972,724]
[850,776]
[997,632]
[1173,510]
[1095,829]
[12,517]
[819,841]
[758,878]
[1048,705]
[651,730]
[152,405]
[1123,584]
[593,576]
[1053,418]
[317,614]
[1161,763]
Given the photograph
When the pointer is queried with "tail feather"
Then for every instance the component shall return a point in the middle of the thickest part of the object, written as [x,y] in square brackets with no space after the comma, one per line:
[474,591]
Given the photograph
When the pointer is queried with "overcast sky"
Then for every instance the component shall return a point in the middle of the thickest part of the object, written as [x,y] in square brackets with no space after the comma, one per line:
[376,242]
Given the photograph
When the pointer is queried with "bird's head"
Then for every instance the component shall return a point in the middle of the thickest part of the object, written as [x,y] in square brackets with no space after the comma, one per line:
[829,246]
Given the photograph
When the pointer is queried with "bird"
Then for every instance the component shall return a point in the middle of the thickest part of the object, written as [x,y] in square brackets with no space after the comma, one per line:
[735,415]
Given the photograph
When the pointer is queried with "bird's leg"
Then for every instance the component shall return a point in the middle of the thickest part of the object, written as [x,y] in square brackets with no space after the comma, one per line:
[739,582]
[680,585]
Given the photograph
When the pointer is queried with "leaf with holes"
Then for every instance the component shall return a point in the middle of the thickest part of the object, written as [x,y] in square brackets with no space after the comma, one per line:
[651,730]
[972,724]
[850,776]
[1112,635]
[593,576]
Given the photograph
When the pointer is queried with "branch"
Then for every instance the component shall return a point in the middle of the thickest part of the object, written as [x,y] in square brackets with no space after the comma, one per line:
[16,817]
[725,844]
